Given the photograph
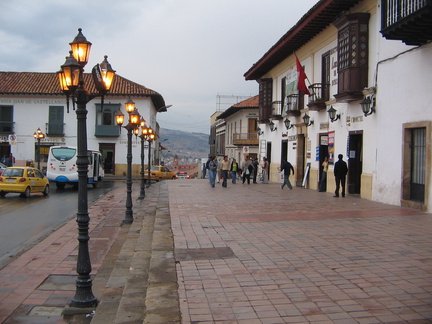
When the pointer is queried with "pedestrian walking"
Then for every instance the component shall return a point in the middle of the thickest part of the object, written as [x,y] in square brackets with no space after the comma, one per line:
[287,167]
[234,169]
[213,166]
[323,181]
[255,172]
[246,167]
[218,171]
[204,170]
[340,172]
[225,168]
[264,167]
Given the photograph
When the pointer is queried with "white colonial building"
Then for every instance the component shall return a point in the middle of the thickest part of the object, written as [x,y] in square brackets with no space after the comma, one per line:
[240,136]
[29,101]
[371,52]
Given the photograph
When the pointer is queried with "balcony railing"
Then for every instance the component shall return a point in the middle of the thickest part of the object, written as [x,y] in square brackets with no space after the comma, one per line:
[319,94]
[55,129]
[407,20]
[6,127]
[277,110]
[107,131]
[245,138]
[293,105]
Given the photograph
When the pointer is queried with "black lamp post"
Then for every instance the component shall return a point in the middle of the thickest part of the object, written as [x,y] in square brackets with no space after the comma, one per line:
[38,135]
[134,120]
[142,187]
[149,135]
[72,83]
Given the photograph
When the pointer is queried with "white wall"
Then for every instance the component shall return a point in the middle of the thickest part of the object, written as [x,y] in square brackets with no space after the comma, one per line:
[32,112]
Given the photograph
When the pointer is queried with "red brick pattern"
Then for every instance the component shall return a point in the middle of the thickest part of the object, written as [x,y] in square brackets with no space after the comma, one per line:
[299,256]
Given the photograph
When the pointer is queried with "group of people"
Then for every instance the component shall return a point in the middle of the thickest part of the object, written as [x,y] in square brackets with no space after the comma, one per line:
[8,160]
[232,169]
[340,172]
[249,168]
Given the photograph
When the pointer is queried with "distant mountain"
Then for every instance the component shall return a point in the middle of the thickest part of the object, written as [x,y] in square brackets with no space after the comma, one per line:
[187,146]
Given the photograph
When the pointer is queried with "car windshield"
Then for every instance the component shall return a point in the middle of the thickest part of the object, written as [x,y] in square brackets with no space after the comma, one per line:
[13,172]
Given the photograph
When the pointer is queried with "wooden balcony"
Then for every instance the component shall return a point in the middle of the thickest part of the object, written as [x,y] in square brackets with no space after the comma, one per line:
[407,20]
[277,110]
[245,139]
[293,105]
[319,94]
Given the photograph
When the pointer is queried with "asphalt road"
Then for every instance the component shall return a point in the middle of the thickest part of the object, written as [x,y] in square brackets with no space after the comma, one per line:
[25,221]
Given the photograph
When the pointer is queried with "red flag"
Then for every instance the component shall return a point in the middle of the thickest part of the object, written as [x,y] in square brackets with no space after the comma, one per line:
[301,85]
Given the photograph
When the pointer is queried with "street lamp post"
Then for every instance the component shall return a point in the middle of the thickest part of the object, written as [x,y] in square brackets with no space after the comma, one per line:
[149,135]
[72,84]
[134,121]
[142,187]
[38,135]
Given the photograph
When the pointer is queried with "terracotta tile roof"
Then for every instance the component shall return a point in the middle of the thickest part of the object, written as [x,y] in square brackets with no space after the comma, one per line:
[34,83]
[252,102]
[321,15]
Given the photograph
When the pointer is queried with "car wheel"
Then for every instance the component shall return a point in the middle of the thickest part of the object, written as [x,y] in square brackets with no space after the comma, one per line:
[173,178]
[26,193]
[160,179]
[46,190]
[2,194]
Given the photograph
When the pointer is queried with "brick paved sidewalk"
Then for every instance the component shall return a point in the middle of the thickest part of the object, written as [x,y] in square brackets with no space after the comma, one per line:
[38,284]
[259,254]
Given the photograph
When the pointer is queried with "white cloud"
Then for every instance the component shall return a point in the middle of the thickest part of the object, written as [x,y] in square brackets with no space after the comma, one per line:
[189,51]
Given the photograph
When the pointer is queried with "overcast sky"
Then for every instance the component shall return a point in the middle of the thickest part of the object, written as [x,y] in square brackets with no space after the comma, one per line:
[189,51]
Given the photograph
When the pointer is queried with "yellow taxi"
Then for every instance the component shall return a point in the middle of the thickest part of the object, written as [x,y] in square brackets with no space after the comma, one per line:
[23,180]
[159,172]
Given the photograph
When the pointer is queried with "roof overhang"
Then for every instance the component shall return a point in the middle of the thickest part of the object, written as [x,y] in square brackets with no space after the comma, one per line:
[321,15]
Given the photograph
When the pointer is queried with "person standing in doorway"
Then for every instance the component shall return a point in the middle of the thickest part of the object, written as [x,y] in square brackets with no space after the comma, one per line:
[213,166]
[234,169]
[323,182]
[225,167]
[340,172]
[264,168]
[286,167]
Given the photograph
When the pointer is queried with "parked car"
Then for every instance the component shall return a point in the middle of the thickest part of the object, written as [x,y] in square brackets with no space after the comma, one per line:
[2,167]
[23,180]
[159,172]
[183,175]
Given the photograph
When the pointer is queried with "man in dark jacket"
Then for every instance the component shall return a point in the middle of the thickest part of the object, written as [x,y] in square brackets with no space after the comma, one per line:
[286,167]
[340,172]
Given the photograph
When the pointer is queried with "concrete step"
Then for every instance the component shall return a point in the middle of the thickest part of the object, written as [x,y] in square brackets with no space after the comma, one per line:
[138,278]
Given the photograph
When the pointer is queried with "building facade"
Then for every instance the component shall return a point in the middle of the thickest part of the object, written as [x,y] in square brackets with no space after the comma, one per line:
[240,129]
[365,62]
[29,101]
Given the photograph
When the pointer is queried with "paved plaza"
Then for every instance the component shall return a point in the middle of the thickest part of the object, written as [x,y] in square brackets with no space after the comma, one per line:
[242,254]
[258,254]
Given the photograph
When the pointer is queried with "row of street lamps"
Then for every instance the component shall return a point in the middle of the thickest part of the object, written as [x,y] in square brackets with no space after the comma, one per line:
[136,125]
[72,84]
